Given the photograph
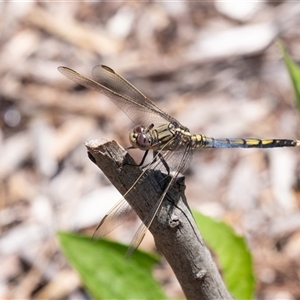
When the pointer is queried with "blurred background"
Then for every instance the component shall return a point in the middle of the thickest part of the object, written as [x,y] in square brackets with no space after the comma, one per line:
[215,66]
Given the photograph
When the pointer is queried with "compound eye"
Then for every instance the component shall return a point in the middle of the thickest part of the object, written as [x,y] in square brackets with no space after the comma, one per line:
[144,140]
[138,129]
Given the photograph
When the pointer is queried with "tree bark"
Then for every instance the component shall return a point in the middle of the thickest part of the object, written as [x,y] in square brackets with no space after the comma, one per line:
[175,232]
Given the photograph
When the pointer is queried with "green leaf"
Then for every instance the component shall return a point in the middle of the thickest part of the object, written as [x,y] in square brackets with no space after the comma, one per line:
[106,272]
[233,256]
[294,73]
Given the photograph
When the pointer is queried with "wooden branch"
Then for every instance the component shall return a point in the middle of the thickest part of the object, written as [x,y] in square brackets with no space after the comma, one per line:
[175,232]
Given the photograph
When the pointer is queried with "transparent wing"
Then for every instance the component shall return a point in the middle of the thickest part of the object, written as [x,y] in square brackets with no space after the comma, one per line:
[122,210]
[114,218]
[140,110]
[135,105]
[182,163]
[115,82]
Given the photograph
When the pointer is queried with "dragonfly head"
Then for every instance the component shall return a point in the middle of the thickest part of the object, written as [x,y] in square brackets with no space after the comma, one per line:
[140,138]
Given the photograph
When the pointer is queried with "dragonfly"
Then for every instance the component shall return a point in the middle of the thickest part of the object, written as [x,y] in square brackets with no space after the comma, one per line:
[171,142]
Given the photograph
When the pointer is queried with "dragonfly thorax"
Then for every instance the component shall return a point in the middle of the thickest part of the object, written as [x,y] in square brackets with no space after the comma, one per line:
[163,137]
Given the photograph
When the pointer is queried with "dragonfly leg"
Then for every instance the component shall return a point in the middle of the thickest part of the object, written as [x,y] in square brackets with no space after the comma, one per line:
[142,161]
[164,162]
[156,156]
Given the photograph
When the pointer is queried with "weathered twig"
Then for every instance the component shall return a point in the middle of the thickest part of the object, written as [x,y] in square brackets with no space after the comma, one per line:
[174,230]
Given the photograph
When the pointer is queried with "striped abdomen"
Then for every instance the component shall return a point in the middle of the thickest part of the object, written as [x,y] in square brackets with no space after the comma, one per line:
[201,141]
